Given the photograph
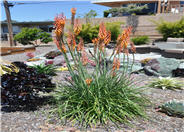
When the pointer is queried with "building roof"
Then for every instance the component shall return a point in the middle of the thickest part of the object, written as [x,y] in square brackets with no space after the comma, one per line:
[29,23]
[114,3]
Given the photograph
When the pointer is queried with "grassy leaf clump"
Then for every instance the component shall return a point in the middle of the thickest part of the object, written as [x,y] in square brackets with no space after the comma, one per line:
[97,91]
[140,40]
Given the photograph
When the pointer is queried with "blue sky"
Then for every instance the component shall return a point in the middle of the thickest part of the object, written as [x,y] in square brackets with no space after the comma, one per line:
[44,10]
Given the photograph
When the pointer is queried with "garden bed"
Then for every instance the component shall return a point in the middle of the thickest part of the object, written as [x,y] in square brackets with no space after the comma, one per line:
[159,122]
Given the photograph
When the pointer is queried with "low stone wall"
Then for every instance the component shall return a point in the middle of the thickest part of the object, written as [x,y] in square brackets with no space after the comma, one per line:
[16,50]
[174,53]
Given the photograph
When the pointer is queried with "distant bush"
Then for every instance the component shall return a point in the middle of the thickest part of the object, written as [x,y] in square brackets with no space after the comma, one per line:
[90,32]
[45,37]
[140,40]
[32,34]
[115,28]
[171,29]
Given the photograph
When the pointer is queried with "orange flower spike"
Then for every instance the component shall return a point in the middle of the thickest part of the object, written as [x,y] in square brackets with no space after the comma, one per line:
[84,58]
[73,11]
[107,38]
[59,24]
[95,41]
[102,31]
[116,64]
[64,48]
[80,46]
[88,81]
[77,27]
[69,39]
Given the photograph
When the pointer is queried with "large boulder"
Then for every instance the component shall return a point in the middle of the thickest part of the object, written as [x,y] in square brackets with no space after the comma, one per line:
[161,66]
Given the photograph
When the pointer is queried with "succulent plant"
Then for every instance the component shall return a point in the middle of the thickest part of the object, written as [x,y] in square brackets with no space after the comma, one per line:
[174,107]
[166,83]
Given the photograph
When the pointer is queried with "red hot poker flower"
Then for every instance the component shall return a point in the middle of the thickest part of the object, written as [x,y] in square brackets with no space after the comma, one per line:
[73,11]
[71,41]
[59,25]
[85,59]
[107,38]
[80,46]
[102,32]
[77,27]
[88,81]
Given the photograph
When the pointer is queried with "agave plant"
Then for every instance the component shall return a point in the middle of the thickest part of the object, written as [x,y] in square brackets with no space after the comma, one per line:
[49,69]
[174,107]
[166,83]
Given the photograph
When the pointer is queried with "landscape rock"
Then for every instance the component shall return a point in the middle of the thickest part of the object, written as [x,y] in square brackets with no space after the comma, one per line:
[161,66]
[60,60]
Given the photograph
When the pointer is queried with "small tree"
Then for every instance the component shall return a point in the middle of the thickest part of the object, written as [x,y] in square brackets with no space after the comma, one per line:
[27,35]
[133,21]
[90,14]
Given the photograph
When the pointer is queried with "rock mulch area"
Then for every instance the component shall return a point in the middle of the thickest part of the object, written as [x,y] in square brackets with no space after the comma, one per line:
[22,57]
[38,121]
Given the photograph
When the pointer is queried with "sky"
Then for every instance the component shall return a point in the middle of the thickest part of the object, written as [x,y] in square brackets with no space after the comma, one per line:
[40,10]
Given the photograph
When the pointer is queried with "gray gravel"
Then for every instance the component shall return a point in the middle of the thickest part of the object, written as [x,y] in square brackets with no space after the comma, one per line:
[23,57]
[38,121]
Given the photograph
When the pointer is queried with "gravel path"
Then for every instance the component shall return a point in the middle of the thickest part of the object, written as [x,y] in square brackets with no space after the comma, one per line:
[38,121]
[23,57]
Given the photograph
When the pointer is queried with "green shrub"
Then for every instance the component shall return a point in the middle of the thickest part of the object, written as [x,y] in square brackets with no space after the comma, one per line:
[89,32]
[32,34]
[171,29]
[140,40]
[45,37]
[114,28]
